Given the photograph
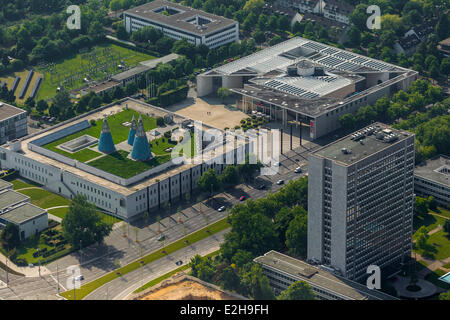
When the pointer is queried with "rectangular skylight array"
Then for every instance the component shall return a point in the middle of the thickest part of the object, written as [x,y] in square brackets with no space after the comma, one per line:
[292,90]
[344,55]
[348,66]
[327,78]
[314,46]
[330,61]
[377,65]
[330,51]
[310,95]
[360,60]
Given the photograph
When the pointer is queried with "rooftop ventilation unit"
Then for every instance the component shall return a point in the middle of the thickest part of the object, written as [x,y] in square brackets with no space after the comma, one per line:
[346,151]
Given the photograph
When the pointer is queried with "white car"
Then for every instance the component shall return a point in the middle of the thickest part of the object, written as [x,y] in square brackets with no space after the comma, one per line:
[298,170]
[276,164]
[161,237]
[280,182]
[222,208]
[79,278]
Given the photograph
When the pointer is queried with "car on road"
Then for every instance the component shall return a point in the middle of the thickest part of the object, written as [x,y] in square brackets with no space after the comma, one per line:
[222,208]
[179,263]
[30,265]
[161,237]
[276,164]
[242,198]
[79,278]
[279,182]
[298,170]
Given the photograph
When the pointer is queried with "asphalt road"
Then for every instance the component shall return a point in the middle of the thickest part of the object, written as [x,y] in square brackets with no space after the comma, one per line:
[120,247]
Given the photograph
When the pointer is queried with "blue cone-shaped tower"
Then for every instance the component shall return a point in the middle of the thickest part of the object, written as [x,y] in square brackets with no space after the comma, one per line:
[141,148]
[106,143]
[132,132]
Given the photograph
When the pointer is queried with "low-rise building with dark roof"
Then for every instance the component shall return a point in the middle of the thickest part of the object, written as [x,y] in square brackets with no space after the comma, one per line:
[444,47]
[433,179]
[10,198]
[181,22]
[29,218]
[283,270]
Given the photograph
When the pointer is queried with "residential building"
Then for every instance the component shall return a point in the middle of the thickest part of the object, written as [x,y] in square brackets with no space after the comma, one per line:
[360,201]
[181,22]
[283,270]
[13,123]
[432,179]
[5,185]
[444,47]
[330,9]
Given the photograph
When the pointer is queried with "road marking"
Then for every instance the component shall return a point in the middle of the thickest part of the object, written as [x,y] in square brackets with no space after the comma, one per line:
[57,282]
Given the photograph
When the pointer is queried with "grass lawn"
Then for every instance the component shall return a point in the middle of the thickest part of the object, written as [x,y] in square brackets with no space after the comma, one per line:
[30,245]
[118,131]
[45,199]
[428,220]
[61,213]
[177,245]
[446,266]
[168,275]
[22,183]
[23,76]
[79,63]
[442,243]
[118,164]
[442,212]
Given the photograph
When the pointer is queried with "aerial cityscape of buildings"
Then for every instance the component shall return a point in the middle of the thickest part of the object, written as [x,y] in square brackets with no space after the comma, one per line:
[243,150]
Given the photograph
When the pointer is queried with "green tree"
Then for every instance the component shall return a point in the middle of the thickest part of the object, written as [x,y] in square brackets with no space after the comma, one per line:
[10,236]
[223,93]
[41,106]
[209,178]
[259,36]
[230,175]
[447,227]
[348,121]
[83,223]
[257,284]
[299,290]
[422,238]
[421,206]
[121,32]
[229,279]
[296,236]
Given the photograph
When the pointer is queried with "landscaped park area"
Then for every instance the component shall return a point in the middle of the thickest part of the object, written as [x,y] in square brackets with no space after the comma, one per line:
[118,163]
[95,64]
[50,242]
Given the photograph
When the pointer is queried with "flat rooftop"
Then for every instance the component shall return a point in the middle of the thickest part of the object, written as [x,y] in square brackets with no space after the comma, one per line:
[295,49]
[306,272]
[23,213]
[8,111]
[125,190]
[436,169]
[181,17]
[369,141]
[5,184]
[9,198]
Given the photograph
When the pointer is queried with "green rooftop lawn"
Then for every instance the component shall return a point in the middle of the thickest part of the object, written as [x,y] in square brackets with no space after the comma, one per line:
[118,164]
[45,199]
[118,132]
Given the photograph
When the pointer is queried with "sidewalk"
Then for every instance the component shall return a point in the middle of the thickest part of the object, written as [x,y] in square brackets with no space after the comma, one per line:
[25,271]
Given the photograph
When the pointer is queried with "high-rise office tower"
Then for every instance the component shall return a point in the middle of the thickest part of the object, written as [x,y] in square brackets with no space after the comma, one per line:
[360,200]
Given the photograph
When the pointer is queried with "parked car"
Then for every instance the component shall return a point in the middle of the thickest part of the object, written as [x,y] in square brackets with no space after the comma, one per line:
[161,237]
[222,208]
[179,263]
[79,278]
[261,186]
[242,198]
[298,170]
[279,182]
[276,164]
